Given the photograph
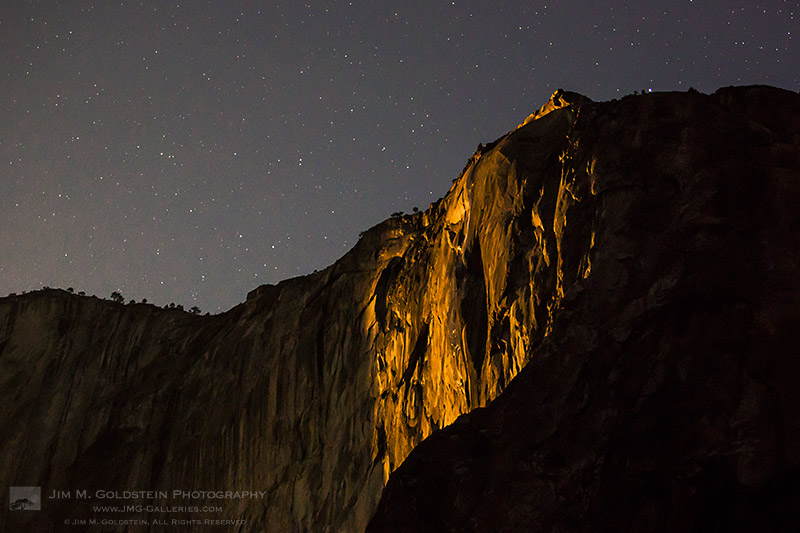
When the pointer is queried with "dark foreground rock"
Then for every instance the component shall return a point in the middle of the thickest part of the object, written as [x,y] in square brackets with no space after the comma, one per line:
[596,328]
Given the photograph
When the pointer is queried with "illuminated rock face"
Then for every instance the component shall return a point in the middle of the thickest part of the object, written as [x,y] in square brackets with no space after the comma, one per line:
[665,394]
[626,249]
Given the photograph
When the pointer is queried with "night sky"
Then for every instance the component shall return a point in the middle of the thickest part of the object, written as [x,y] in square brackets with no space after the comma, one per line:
[188,152]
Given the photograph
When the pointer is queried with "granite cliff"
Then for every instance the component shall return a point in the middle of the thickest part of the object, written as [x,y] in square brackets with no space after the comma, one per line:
[633,261]
[665,394]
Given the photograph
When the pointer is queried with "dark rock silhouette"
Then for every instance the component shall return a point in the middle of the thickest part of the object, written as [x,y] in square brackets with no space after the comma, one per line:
[595,329]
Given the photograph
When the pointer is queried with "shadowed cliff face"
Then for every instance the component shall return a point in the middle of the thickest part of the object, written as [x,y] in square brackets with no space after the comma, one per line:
[665,395]
[638,253]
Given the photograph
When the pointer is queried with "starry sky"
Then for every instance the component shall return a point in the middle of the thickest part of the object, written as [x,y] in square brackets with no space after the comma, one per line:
[191,151]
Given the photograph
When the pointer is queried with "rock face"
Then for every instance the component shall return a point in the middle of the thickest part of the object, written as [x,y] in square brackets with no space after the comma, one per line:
[664,396]
[633,261]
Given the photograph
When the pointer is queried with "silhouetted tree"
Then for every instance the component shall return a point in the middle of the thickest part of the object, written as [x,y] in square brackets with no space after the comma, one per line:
[195,310]
[117,297]
[21,504]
